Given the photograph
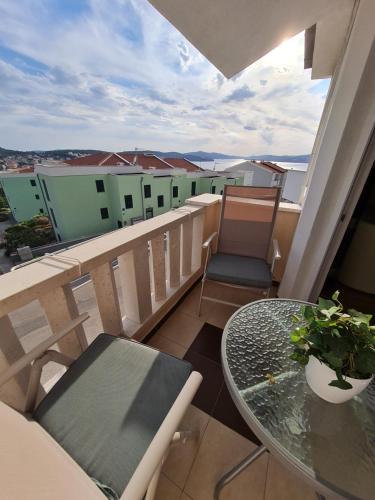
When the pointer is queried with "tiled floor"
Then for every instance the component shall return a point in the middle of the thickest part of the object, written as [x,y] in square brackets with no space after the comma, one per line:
[192,470]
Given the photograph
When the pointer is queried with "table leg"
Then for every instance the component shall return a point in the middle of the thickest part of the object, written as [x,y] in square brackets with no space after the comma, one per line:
[229,476]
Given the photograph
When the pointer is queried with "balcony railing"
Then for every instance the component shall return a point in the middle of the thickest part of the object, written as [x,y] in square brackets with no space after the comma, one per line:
[158,261]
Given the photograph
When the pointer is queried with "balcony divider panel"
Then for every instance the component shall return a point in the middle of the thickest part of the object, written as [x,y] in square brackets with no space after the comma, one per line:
[59,310]
[158,266]
[103,279]
[136,284]
[174,240]
[187,246]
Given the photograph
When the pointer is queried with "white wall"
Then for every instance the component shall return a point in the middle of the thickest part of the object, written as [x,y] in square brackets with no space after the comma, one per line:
[293,185]
[344,133]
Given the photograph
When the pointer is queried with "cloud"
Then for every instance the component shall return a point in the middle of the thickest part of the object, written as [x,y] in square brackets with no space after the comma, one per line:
[219,79]
[250,127]
[282,91]
[201,108]
[112,74]
[184,53]
[158,96]
[240,94]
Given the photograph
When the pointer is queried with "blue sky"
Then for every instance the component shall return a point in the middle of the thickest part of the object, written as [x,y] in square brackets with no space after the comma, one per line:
[114,75]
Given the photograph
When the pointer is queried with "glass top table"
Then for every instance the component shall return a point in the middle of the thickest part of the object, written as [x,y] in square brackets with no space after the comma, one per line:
[332,446]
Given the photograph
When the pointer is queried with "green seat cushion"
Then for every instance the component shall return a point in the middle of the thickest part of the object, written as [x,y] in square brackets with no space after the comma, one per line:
[239,270]
[106,409]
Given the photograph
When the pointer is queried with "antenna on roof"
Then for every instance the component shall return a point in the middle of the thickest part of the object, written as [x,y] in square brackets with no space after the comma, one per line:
[135,159]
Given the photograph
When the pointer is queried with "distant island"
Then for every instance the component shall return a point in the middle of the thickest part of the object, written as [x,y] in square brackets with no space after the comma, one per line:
[61,154]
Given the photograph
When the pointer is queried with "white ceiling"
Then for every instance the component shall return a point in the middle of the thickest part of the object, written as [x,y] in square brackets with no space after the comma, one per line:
[233,34]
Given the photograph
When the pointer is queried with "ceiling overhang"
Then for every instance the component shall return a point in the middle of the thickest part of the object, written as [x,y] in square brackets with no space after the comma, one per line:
[234,34]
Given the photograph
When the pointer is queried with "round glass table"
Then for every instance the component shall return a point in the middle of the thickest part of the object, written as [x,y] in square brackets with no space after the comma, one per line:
[331,446]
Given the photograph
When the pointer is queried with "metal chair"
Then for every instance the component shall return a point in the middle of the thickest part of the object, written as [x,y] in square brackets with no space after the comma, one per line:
[246,225]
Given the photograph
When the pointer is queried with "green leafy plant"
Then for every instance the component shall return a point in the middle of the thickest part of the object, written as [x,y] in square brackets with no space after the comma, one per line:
[34,232]
[344,341]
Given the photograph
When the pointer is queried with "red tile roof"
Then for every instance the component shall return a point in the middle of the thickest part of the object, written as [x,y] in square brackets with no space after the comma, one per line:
[183,163]
[98,159]
[145,160]
[22,170]
[273,166]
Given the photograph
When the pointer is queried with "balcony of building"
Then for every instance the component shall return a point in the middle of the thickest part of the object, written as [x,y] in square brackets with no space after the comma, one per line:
[143,282]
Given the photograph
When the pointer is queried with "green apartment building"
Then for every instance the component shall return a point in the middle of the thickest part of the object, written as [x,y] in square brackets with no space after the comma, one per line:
[90,200]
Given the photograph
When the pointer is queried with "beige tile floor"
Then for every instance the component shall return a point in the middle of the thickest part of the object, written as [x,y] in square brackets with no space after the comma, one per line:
[192,470]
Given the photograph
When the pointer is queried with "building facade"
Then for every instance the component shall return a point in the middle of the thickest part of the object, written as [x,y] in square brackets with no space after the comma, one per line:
[90,200]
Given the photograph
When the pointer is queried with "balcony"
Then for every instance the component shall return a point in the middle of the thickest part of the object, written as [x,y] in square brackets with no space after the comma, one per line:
[143,282]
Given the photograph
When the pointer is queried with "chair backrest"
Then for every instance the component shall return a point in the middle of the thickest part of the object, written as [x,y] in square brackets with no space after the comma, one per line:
[247,219]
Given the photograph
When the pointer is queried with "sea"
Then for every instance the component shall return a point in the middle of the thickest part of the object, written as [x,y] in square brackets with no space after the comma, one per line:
[219,165]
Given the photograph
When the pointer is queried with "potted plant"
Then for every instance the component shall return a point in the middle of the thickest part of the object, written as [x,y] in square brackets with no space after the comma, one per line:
[337,349]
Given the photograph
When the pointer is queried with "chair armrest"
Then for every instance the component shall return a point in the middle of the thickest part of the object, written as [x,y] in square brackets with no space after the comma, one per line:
[208,242]
[142,476]
[40,349]
[276,250]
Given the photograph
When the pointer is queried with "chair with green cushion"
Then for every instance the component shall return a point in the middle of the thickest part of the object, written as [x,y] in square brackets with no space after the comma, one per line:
[113,415]
[243,243]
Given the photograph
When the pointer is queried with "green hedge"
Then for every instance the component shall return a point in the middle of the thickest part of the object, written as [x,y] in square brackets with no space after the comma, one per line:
[33,233]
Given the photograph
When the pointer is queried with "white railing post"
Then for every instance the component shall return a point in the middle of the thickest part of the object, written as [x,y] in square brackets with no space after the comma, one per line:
[135,280]
[174,247]
[158,267]
[14,391]
[60,307]
[104,282]
[187,245]
[197,241]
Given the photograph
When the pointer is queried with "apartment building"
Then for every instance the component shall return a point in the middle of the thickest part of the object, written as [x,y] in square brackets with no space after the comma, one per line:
[99,193]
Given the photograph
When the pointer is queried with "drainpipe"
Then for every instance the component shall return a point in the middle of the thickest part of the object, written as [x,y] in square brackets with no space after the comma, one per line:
[171,191]
[46,204]
[143,201]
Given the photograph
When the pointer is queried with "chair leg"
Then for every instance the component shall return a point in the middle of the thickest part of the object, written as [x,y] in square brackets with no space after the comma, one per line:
[179,437]
[200,296]
[152,487]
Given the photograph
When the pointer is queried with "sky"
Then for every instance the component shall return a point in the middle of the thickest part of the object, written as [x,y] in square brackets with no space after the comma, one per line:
[116,75]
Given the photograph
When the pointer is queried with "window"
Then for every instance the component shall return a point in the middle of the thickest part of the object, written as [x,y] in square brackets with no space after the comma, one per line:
[100,186]
[53,217]
[32,182]
[160,201]
[128,201]
[221,192]
[193,188]
[175,191]
[41,211]
[45,189]
[147,190]
[213,189]
[119,224]
[104,213]
[149,213]
[37,197]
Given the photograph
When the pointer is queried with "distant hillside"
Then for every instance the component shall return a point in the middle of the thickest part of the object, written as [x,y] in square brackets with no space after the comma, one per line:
[7,152]
[192,155]
[55,153]
[286,158]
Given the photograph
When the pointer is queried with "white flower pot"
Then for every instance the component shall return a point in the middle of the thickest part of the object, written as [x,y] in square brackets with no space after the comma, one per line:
[319,375]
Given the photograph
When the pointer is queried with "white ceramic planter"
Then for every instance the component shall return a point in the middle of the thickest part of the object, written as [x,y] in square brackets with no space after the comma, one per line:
[319,375]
